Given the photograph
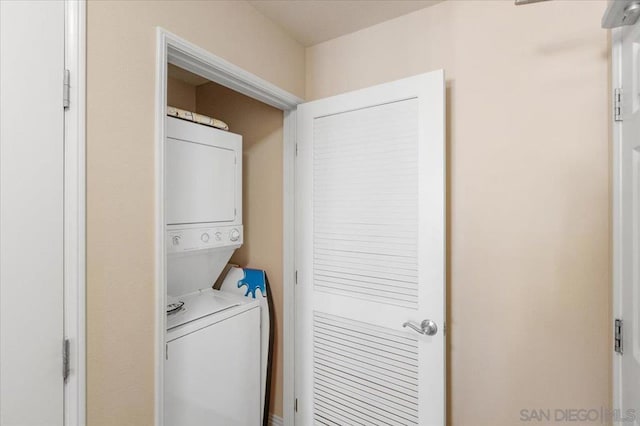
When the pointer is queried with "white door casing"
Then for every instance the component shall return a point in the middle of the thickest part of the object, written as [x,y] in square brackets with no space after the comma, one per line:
[370,255]
[31,212]
[626,223]
[75,212]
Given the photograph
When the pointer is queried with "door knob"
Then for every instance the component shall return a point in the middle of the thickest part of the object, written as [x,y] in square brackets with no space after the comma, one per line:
[631,13]
[426,327]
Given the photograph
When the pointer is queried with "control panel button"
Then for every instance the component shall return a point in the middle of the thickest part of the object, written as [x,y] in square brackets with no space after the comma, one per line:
[176,240]
[204,237]
[218,236]
[234,235]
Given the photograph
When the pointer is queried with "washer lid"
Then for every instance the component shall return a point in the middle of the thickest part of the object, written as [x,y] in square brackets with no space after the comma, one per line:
[200,304]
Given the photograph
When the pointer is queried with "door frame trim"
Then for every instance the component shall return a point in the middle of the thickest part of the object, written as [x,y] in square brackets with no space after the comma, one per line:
[178,51]
[75,213]
[616,209]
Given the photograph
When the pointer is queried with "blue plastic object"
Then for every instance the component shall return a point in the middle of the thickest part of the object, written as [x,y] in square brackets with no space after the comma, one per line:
[254,279]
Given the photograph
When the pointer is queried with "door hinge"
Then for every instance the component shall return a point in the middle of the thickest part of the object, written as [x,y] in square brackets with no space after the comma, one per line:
[65,359]
[617,104]
[617,336]
[66,87]
[295,405]
[296,277]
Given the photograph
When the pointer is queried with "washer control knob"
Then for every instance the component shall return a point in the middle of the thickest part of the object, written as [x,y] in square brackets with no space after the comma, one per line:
[234,235]
[218,236]
[176,240]
[204,237]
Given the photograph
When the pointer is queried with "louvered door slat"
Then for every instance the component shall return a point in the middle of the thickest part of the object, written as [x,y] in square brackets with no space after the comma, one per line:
[350,159]
[340,408]
[355,269]
[364,407]
[399,366]
[397,394]
[381,260]
[376,369]
[394,395]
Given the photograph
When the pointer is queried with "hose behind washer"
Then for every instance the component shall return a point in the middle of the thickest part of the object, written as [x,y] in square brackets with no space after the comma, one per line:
[272,324]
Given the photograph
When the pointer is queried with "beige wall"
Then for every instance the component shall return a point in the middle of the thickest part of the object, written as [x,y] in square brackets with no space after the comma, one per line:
[180,94]
[261,128]
[528,192]
[120,176]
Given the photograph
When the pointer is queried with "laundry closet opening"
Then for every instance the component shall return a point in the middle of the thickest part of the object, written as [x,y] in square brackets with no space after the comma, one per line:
[261,128]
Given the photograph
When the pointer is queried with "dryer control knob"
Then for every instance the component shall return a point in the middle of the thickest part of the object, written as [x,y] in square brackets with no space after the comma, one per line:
[204,237]
[234,235]
[176,240]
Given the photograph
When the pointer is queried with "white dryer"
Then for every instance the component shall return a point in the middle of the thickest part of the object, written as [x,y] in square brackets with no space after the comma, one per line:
[212,366]
[203,206]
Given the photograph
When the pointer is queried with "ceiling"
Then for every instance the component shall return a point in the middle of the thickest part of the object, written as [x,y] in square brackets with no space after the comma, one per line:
[314,21]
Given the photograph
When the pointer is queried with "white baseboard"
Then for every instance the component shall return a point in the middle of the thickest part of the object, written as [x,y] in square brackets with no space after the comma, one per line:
[275,420]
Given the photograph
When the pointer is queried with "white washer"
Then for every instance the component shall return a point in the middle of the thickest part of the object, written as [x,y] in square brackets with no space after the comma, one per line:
[212,366]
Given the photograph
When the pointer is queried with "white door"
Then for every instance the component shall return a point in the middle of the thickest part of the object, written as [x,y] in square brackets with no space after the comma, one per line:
[627,227]
[370,182]
[31,212]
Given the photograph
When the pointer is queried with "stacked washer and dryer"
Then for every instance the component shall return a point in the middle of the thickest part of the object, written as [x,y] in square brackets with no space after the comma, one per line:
[212,366]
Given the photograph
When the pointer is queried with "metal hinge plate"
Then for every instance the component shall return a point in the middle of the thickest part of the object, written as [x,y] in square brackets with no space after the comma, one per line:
[65,359]
[617,104]
[66,87]
[617,336]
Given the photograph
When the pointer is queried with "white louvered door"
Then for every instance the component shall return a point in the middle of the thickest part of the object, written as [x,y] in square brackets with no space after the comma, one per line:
[370,255]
